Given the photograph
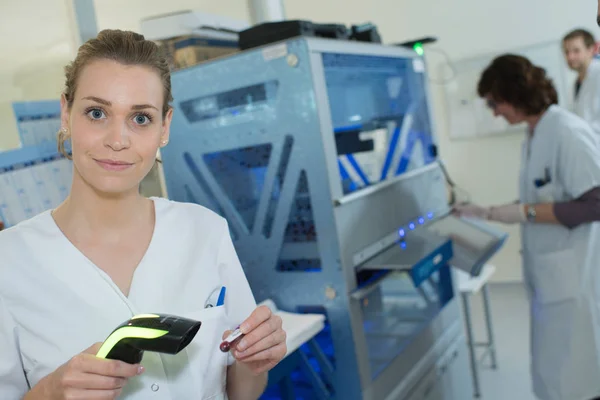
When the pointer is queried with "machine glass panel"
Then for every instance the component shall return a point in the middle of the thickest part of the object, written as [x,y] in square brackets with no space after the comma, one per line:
[380,117]
[395,311]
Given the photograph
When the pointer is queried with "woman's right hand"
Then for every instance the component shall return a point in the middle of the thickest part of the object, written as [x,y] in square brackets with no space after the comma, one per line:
[471,211]
[86,376]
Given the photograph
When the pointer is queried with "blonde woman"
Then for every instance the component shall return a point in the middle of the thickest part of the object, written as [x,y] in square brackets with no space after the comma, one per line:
[72,274]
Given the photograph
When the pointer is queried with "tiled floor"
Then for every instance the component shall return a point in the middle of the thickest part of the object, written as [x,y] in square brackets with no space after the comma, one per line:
[510,321]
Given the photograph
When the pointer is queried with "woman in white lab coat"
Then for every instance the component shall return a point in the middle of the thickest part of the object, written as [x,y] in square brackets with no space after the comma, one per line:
[72,274]
[558,206]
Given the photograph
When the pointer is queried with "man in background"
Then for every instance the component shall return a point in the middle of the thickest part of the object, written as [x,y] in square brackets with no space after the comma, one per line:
[580,49]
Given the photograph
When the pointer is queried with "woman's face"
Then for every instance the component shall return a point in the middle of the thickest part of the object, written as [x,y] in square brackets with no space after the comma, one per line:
[503,109]
[116,125]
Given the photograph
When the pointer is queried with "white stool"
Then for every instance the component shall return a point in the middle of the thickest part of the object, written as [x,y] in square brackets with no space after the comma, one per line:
[469,285]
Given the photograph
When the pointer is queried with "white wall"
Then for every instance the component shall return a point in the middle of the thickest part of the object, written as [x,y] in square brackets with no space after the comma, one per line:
[118,14]
[36,41]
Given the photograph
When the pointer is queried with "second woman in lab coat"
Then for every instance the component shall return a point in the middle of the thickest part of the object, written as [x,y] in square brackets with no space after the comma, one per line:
[558,206]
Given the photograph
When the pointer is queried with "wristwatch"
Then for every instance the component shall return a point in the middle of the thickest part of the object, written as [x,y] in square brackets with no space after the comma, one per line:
[530,213]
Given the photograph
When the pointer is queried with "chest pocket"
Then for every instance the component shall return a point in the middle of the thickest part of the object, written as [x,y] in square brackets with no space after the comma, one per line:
[546,193]
[201,368]
[544,187]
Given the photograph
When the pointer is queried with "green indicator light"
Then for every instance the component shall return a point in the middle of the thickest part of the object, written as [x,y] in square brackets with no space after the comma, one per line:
[418,48]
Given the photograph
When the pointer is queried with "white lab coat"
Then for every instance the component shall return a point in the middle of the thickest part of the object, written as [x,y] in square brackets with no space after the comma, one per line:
[54,302]
[562,266]
[587,103]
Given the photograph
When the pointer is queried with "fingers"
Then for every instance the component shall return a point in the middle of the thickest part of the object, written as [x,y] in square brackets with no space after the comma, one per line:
[93,349]
[270,354]
[267,335]
[225,334]
[88,363]
[262,331]
[82,380]
[258,316]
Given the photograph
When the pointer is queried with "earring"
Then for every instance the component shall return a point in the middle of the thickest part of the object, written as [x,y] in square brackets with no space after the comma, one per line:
[164,142]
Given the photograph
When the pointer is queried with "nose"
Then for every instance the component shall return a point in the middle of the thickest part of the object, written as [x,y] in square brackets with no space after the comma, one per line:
[118,136]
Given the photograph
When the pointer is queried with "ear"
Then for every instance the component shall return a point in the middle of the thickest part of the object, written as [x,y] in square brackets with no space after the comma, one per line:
[64,112]
[166,128]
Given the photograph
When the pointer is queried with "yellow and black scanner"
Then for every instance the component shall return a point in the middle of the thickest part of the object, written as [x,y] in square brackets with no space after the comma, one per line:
[159,333]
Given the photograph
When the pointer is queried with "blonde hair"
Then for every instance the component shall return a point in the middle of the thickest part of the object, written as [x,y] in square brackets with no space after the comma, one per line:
[125,47]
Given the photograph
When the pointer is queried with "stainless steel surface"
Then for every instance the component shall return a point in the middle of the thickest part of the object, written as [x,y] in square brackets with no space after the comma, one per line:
[474,243]
[491,343]
[471,345]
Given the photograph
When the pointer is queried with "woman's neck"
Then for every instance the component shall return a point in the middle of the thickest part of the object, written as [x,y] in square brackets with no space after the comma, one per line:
[86,211]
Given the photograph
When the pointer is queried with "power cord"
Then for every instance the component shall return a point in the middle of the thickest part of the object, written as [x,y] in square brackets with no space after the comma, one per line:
[449,63]
[453,187]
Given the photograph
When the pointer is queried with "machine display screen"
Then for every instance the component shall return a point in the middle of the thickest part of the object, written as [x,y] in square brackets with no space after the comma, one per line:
[380,117]
[230,103]
[364,89]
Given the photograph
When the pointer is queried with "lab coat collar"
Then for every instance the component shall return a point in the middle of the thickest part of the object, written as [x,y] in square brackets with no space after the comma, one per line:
[544,119]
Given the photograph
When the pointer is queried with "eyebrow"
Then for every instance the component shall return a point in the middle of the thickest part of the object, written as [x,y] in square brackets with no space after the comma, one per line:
[108,103]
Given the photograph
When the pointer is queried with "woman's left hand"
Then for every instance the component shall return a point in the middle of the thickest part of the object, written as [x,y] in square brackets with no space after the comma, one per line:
[263,345]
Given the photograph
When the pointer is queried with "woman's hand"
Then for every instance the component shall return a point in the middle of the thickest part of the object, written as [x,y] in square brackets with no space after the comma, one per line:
[86,376]
[471,211]
[263,345]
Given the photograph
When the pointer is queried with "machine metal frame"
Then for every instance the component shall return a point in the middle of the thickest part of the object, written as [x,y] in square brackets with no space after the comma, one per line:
[296,138]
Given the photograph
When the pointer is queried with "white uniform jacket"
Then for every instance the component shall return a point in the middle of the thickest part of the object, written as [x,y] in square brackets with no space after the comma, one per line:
[55,303]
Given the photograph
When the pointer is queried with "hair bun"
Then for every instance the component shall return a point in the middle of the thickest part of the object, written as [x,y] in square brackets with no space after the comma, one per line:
[538,73]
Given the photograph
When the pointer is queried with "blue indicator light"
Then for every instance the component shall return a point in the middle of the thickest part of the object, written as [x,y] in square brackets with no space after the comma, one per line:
[421,220]
[403,245]
[430,215]
[411,226]
[401,233]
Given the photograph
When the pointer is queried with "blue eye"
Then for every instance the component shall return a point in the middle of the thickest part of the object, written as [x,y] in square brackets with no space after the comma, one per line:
[142,119]
[95,113]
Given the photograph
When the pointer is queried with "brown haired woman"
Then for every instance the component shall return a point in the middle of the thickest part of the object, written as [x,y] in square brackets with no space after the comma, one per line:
[73,274]
[558,210]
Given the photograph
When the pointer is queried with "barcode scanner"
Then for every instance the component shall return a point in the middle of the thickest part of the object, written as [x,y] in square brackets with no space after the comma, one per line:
[159,333]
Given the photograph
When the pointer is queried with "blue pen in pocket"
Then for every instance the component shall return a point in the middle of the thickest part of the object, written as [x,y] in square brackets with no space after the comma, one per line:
[546,180]
[221,299]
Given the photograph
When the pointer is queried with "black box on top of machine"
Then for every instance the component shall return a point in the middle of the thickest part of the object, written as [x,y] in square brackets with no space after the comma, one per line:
[270,32]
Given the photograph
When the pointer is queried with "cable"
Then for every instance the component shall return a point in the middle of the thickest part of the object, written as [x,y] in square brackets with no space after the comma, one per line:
[448,63]
[453,187]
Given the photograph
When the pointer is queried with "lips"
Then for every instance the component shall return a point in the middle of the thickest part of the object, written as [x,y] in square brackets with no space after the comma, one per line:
[113,165]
